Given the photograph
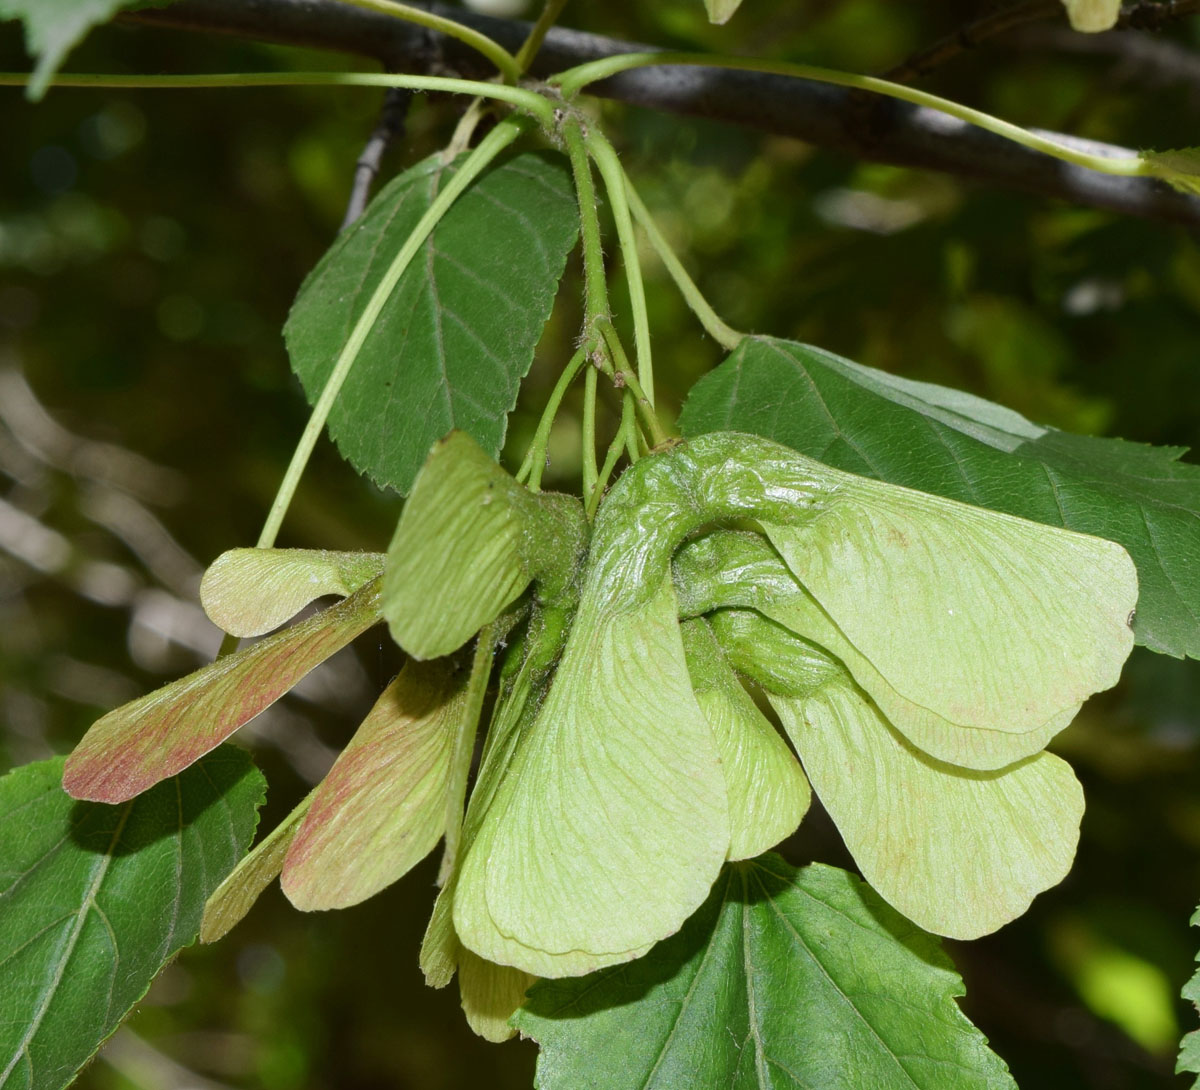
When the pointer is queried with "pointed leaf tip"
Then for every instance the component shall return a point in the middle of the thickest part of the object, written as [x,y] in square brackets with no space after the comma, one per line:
[457,334]
[52,30]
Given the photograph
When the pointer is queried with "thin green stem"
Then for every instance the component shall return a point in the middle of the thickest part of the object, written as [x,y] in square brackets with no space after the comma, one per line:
[460,139]
[615,450]
[537,33]
[595,286]
[588,440]
[624,375]
[504,61]
[614,183]
[725,335]
[491,146]
[464,747]
[465,129]
[632,437]
[535,457]
[572,81]
[529,101]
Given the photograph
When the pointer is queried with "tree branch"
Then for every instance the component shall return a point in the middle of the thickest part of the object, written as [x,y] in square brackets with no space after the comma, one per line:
[818,114]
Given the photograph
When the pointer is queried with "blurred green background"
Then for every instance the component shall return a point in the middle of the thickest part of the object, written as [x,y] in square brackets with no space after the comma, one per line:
[150,245]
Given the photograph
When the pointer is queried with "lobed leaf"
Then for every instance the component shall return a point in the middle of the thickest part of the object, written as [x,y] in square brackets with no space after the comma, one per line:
[768,793]
[94,900]
[138,744]
[382,807]
[952,444]
[457,335]
[248,592]
[784,978]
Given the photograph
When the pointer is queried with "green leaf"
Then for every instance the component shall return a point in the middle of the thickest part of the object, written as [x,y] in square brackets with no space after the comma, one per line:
[235,896]
[136,745]
[1189,1047]
[785,978]
[53,27]
[247,592]
[955,445]
[1093,16]
[458,333]
[768,794]
[469,540]
[96,899]
[383,805]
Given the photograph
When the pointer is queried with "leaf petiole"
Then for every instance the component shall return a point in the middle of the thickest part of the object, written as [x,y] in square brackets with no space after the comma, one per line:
[605,158]
[618,446]
[537,33]
[535,458]
[504,61]
[530,102]
[588,436]
[624,375]
[572,81]
[725,335]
